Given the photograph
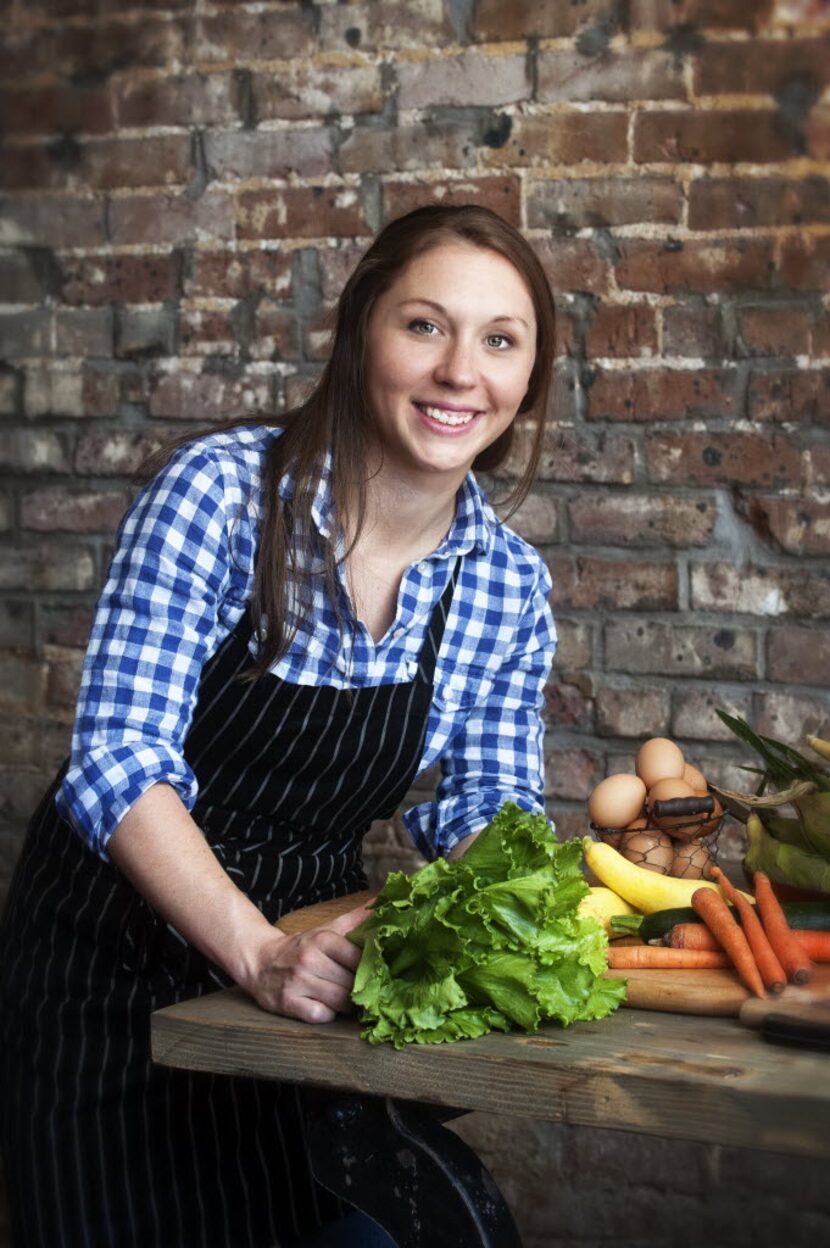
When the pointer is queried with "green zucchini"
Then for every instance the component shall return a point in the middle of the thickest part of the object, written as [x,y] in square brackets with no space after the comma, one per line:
[810,916]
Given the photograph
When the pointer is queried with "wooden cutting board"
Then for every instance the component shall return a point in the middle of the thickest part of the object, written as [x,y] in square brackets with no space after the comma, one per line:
[674,992]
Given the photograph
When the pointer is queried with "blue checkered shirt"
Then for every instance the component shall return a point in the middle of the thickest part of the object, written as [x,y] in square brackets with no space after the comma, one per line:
[179,581]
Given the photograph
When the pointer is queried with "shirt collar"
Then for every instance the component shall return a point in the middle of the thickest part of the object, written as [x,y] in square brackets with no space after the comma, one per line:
[472,530]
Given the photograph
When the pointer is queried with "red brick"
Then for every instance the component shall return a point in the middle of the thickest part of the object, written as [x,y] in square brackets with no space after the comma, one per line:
[22,278]
[101,49]
[567,706]
[206,331]
[614,75]
[307,153]
[6,513]
[237,274]
[53,392]
[101,392]
[537,519]
[663,394]
[797,526]
[11,385]
[675,267]
[775,330]
[741,203]
[798,656]
[157,160]
[57,223]
[195,100]
[723,458]
[336,264]
[471,78]
[694,329]
[574,264]
[128,278]
[24,334]
[622,331]
[21,683]
[57,109]
[632,712]
[33,450]
[760,591]
[817,134]
[317,335]
[237,36]
[575,649]
[522,19]
[48,566]
[790,717]
[315,90]
[717,14]
[115,453]
[302,212]
[275,334]
[572,455]
[576,203]
[205,396]
[707,137]
[805,263]
[453,145]
[564,138]
[382,24]
[171,218]
[588,583]
[62,624]
[762,66]
[821,335]
[652,647]
[572,774]
[84,331]
[693,713]
[785,397]
[640,520]
[63,680]
[502,195]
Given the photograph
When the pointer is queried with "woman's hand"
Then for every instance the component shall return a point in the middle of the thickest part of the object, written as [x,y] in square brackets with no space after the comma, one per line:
[308,975]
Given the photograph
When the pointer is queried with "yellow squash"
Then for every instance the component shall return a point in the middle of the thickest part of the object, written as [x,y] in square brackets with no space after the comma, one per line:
[645,890]
[602,904]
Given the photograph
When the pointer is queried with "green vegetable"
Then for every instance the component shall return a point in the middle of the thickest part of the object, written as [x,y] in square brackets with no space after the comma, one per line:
[807,916]
[787,864]
[491,940]
[626,924]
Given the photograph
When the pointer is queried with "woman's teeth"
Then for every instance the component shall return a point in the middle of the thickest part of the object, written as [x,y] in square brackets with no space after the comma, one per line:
[447,418]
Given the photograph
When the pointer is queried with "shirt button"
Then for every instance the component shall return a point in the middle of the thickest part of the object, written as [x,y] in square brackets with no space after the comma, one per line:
[399,632]
[423,567]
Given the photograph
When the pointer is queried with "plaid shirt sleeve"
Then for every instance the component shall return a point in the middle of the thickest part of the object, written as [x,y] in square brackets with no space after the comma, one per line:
[152,631]
[497,753]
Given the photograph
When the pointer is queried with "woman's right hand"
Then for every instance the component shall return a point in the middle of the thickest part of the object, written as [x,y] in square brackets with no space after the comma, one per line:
[308,975]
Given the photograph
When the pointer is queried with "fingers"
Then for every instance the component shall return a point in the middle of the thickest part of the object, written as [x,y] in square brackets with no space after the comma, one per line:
[353,918]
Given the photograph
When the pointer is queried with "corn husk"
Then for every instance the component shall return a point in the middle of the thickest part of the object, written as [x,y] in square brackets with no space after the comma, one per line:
[784,863]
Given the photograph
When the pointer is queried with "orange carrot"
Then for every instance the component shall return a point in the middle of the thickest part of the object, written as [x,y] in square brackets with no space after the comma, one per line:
[816,945]
[715,914]
[697,936]
[656,957]
[769,967]
[795,962]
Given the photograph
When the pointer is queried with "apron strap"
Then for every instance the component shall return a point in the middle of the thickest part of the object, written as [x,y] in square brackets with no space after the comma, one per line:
[438,622]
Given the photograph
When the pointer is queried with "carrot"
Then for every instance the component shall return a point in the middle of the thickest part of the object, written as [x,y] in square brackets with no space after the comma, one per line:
[769,967]
[792,957]
[697,936]
[715,914]
[656,957]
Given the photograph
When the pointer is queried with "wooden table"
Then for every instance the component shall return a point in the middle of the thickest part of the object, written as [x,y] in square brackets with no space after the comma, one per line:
[670,1075]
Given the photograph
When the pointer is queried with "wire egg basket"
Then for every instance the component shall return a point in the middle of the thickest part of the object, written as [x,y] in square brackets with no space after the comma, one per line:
[685,815]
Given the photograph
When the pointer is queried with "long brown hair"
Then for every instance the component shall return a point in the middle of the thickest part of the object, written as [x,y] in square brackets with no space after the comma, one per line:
[335,416]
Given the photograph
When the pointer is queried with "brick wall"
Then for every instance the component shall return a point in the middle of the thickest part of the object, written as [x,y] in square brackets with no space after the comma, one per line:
[186,186]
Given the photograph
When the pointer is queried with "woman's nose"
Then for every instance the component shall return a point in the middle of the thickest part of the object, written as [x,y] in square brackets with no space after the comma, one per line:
[456,367]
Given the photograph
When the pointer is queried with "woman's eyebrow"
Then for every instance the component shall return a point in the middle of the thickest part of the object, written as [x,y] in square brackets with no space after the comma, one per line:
[439,307]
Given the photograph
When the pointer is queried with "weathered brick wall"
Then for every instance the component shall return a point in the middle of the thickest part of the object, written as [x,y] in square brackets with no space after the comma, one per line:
[187,184]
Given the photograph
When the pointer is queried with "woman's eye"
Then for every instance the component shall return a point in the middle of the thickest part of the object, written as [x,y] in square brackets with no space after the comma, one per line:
[423,327]
[500,341]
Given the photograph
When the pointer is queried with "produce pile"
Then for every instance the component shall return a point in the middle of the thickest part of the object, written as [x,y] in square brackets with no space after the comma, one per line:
[496,939]
[693,925]
[662,817]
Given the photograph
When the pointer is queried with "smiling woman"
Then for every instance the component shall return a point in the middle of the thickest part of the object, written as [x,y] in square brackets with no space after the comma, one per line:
[297,621]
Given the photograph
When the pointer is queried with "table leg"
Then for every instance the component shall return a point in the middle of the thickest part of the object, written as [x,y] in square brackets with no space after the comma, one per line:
[395,1161]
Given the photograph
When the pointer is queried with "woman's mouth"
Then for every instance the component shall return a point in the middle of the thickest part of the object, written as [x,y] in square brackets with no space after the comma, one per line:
[447,418]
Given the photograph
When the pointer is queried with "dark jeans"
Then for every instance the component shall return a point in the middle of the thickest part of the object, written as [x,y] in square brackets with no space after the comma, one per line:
[356,1230]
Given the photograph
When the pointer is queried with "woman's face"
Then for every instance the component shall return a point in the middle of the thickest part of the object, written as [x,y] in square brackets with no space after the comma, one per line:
[450,349]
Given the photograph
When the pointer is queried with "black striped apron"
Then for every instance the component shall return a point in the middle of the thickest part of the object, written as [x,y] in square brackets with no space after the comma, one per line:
[102,1149]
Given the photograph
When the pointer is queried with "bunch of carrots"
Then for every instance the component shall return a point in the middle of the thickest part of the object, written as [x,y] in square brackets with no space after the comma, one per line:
[763,948]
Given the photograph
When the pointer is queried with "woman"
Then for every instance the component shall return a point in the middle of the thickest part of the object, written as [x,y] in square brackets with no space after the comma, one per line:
[296,622]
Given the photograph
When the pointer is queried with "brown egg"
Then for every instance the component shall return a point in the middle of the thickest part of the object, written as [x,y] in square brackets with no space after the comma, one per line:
[663,791]
[695,778]
[691,861]
[712,822]
[616,800]
[658,758]
[652,850]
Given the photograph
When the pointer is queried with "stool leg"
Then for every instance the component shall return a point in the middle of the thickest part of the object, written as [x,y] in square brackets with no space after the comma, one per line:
[394,1161]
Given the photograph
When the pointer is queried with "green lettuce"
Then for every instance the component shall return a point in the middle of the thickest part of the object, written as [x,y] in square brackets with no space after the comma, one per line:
[490,941]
